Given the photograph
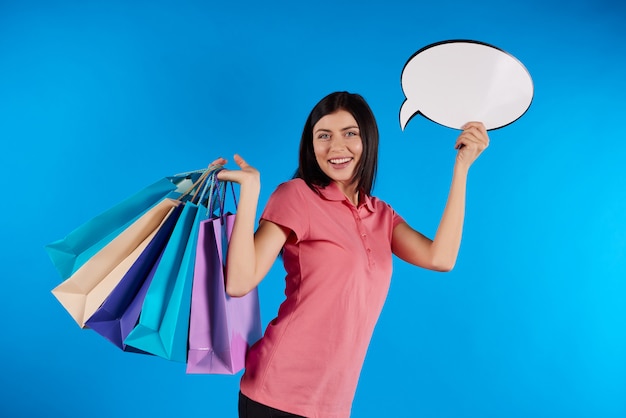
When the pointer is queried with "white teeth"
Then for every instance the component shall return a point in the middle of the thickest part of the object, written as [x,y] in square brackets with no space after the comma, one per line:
[339,160]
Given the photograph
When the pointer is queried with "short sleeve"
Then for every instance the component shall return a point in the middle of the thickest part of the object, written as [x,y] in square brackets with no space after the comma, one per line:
[397,219]
[287,207]
[388,211]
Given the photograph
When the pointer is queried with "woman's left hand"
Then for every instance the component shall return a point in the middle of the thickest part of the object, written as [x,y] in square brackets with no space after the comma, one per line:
[471,143]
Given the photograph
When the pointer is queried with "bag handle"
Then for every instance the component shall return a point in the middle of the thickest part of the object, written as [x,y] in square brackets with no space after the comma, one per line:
[198,185]
[208,185]
[218,191]
[194,186]
[222,186]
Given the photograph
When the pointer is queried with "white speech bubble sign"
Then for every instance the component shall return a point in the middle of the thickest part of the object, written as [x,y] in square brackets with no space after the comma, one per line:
[459,81]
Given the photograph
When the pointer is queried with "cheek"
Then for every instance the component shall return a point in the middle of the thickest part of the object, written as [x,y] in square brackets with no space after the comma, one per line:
[358,149]
[319,151]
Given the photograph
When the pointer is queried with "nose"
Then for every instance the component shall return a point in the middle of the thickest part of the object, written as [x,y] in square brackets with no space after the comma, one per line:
[337,142]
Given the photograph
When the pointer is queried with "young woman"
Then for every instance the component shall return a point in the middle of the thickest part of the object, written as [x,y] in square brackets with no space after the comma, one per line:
[337,242]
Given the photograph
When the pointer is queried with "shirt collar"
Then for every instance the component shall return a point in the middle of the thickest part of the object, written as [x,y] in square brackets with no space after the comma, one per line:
[333,193]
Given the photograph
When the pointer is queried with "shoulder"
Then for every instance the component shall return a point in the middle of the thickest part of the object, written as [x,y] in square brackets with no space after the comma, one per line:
[293,184]
[380,204]
[291,192]
[293,187]
[384,209]
[287,207]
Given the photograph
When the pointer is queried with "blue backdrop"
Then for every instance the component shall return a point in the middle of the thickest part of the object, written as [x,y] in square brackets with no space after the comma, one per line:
[100,98]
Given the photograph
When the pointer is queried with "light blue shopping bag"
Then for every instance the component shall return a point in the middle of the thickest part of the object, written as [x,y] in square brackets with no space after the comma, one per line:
[70,253]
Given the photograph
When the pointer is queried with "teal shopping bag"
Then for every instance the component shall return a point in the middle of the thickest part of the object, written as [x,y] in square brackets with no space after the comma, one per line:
[70,253]
[163,325]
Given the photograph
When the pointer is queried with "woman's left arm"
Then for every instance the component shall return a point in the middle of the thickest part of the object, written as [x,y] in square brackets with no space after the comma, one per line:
[441,253]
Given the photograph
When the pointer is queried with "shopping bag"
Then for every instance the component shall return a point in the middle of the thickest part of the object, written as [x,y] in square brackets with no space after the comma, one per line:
[163,325]
[85,290]
[221,328]
[115,318]
[130,317]
[70,253]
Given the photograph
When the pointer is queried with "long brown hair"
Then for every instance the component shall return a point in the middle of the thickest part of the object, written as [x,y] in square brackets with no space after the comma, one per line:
[355,104]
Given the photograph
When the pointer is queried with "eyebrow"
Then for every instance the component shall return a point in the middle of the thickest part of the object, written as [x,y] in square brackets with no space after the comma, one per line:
[342,129]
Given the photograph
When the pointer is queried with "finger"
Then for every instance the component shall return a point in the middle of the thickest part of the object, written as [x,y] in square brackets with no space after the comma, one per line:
[240,161]
[230,175]
[479,129]
[463,142]
[469,140]
[464,138]
[224,175]
[472,139]
[219,161]
[475,124]
[474,133]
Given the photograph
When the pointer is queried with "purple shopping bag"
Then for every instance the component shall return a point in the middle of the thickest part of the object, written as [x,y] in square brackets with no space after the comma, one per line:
[221,328]
[118,314]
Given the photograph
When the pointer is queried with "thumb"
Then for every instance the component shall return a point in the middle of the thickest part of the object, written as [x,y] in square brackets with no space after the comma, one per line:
[240,161]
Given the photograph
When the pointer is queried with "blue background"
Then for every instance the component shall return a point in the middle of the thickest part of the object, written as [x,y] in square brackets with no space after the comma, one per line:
[100,98]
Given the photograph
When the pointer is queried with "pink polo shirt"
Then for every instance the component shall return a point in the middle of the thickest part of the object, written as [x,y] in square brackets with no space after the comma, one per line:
[338,263]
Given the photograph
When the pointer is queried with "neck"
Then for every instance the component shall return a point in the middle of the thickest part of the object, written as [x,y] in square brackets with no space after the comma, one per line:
[350,191]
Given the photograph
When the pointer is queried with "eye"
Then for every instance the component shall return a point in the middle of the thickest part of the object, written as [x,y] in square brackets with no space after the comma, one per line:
[323,137]
[352,133]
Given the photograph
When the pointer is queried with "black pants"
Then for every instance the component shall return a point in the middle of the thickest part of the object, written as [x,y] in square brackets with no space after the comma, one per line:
[252,409]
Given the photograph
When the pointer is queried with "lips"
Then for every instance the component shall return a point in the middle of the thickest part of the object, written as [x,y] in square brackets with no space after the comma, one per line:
[340,161]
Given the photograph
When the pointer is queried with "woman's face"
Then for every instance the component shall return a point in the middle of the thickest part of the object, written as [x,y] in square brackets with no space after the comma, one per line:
[337,145]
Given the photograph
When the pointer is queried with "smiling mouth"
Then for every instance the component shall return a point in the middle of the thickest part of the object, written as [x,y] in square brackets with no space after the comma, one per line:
[340,160]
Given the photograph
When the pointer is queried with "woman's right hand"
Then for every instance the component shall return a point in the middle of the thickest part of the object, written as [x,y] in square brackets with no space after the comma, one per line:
[245,176]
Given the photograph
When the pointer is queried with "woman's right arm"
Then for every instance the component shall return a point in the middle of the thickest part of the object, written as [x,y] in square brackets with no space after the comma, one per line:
[250,255]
